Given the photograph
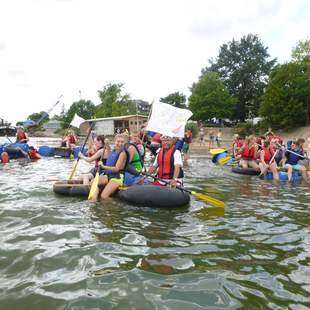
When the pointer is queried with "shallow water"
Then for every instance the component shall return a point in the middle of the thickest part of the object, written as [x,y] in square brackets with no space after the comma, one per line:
[65,253]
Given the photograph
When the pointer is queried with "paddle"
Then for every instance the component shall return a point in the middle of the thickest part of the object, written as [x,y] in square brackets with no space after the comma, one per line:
[271,160]
[9,139]
[77,161]
[224,160]
[95,182]
[212,201]
[217,151]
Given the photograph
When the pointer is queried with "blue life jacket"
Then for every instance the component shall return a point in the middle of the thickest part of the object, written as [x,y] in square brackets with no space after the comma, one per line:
[112,160]
[293,159]
[179,144]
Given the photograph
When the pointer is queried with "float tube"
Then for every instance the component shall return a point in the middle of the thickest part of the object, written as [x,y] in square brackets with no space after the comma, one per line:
[14,150]
[63,152]
[283,176]
[246,171]
[140,195]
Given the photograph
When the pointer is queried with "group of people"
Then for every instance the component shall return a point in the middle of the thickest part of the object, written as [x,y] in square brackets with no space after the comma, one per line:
[21,138]
[267,152]
[124,164]
[215,136]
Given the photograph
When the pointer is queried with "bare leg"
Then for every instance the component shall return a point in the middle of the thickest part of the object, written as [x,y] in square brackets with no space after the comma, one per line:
[273,169]
[304,173]
[103,180]
[109,189]
[289,173]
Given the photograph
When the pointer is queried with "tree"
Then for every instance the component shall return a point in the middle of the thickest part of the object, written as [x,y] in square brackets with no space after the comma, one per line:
[286,101]
[302,51]
[41,116]
[176,99]
[113,102]
[83,108]
[244,68]
[210,98]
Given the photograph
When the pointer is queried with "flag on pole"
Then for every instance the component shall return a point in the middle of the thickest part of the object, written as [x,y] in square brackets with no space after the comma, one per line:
[77,121]
[168,120]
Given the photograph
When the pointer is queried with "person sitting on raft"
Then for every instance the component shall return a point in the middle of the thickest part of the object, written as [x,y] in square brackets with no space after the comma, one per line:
[112,176]
[293,154]
[69,140]
[267,161]
[100,153]
[249,153]
[236,146]
[21,136]
[168,164]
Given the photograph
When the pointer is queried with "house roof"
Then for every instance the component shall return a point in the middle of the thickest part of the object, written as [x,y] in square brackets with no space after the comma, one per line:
[115,118]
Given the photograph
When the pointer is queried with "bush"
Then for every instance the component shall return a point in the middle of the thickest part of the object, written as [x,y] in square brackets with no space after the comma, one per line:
[246,129]
[193,127]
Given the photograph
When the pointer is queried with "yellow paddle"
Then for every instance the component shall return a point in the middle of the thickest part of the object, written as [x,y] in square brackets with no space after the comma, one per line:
[217,151]
[77,161]
[212,201]
[224,160]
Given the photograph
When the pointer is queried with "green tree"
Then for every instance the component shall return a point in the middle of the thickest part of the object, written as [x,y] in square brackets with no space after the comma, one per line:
[244,68]
[83,108]
[286,101]
[176,99]
[43,116]
[113,102]
[210,98]
[302,51]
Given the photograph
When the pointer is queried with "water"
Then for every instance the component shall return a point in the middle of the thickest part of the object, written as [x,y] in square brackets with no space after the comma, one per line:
[65,253]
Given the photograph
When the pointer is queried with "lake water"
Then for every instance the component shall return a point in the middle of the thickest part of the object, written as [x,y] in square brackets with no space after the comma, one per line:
[66,253]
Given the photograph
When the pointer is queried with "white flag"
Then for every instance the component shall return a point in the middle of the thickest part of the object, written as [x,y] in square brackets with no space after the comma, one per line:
[77,121]
[168,120]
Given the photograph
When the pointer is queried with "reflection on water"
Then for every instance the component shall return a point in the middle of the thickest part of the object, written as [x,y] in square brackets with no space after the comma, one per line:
[65,253]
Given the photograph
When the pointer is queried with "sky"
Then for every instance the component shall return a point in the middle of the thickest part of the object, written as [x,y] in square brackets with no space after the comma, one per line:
[74,48]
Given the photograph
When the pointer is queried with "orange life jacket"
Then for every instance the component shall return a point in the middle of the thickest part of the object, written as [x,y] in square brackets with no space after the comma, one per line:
[72,139]
[248,153]
[268,153]
[33,154]
[21,136]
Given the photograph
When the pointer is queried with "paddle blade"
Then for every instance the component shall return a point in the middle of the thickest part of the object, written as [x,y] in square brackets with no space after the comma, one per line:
[217,151]
[210,200]
[224,160]
[73,169]
[94,186]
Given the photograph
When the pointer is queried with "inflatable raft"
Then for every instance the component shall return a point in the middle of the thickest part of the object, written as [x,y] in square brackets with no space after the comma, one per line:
[63,152]
[283,176]
[246,171]
[15,150]
[140,195]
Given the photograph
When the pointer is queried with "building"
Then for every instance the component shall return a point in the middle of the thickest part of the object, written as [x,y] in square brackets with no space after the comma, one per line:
[142,106]
[109,126]
[52,124]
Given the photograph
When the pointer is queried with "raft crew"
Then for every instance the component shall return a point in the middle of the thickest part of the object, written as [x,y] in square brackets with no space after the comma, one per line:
[188,138]
[249,153]
[267,162]
[293,155]
[21,135]
[70,140]
[33,153]
[100,151]
[155,143]
[5,158]
[168,164]
[112,175]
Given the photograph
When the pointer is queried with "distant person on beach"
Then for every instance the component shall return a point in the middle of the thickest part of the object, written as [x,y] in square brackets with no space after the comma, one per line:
[211,137]
[219,138]
[201,136]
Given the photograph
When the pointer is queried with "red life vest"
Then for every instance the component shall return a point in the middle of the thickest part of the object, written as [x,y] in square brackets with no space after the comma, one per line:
[21,136]
[165,163]
[156,138]
[268,153]
[248,153]
[72,139]
[33,154]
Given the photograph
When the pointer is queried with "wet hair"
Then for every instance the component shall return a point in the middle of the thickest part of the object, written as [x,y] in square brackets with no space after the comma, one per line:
[100,138]
[122,136]
[300,141]
[266,143]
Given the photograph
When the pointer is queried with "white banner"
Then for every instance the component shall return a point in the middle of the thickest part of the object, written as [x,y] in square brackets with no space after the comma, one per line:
[168,120]
[77,121]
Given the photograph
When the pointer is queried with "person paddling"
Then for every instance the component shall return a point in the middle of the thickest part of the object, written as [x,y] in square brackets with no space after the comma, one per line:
[21,136]
[249,153]
[267,155]
[168,164]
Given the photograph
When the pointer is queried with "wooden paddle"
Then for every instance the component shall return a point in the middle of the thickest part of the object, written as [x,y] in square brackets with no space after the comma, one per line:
[77,161]
[212,201]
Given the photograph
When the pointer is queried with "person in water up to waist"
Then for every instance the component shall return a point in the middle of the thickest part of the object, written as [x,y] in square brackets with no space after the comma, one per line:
[112,176]
[21,136]
[293,154]
[168,163]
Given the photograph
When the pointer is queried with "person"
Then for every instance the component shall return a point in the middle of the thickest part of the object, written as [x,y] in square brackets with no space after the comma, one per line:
[21,135]
[155,143]
[188,138]
[201,136]
[99,153]
[236,146]
[69,140]
[211,137]
[267,155]
[168,164]
[5,158]
[219,138]
[269,132]
[112,175]
[293,154]
[249,153]
[33,153]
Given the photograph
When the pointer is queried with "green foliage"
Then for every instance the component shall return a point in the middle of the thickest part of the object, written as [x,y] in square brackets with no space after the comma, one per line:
[113,102]
[302,51]
[286,101]
[244,68]
[193,127]
[176,99]
[210,98]
[83,108]
[38,116]
[244,129]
